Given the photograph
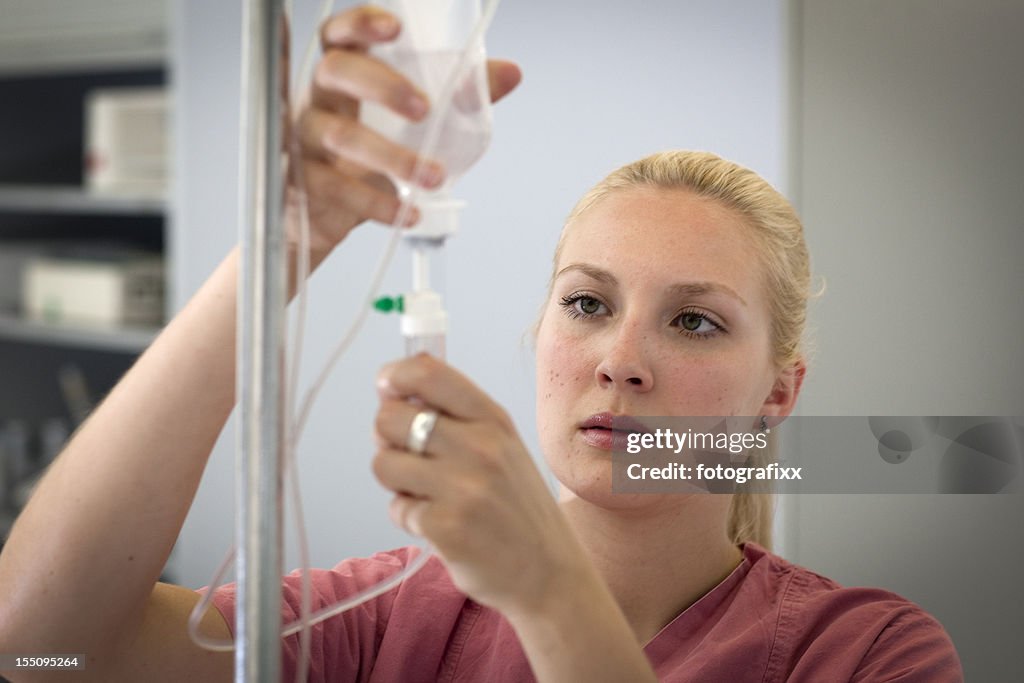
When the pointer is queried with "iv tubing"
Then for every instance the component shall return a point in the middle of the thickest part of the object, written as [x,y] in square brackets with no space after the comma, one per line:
[420,269]
[429,145]
[294,428]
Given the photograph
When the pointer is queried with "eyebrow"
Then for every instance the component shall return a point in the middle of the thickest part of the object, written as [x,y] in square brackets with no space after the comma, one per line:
[678,289]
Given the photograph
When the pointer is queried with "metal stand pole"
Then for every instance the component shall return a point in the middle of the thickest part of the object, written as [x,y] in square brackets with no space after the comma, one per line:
[261,340]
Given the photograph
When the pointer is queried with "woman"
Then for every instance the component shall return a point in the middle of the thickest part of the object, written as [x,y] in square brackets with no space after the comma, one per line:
[679,288]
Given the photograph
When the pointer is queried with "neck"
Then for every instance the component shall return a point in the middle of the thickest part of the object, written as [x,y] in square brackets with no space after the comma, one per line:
[657,565]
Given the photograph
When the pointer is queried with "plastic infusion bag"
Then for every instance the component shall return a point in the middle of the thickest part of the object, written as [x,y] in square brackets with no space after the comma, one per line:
[433,51]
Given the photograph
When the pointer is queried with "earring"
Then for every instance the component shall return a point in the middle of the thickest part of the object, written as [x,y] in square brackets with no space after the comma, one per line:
[764,424]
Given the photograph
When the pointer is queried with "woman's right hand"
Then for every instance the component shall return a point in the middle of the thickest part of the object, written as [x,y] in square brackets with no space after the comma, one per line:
[346,164]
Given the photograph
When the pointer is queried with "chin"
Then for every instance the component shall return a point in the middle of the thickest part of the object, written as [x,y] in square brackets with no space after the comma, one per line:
[585,475]
[589,479]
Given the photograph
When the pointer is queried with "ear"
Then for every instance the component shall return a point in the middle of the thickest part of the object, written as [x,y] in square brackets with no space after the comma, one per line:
[782,399]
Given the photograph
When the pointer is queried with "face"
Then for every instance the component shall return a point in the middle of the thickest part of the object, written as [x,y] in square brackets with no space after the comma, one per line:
[658,307]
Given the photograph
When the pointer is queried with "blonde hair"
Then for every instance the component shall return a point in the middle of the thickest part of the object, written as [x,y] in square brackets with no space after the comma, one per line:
[779,234]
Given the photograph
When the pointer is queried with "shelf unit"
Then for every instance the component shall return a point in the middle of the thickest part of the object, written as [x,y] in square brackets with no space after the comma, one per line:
[89,44]
[44,201]
[70,199]
[131,340]
[49,36]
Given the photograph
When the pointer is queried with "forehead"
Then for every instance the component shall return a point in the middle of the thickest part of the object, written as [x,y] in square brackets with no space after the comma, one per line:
[667,233]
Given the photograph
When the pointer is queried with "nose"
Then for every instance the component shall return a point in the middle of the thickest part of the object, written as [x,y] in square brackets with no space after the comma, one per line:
[625,365]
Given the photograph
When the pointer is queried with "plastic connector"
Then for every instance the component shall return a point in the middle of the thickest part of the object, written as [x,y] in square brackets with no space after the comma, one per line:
[424,323]
[423,314]
[388,304]
[439,217]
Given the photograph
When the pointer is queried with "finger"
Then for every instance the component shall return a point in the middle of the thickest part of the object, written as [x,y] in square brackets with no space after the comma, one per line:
[407,513]
[454,448]
[394,423]
[326,135]
[406,473]
[334,194]
[502,76]
[440,386]
[343,75]
[358,27]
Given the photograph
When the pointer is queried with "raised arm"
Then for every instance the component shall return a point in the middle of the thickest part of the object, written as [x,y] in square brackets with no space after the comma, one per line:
[79,571]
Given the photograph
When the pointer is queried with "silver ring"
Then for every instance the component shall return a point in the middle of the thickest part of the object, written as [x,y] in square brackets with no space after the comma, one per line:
[420,429]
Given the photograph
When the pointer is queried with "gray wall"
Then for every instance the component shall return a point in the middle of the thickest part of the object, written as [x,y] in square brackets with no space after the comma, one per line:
[909,177]
[604,83]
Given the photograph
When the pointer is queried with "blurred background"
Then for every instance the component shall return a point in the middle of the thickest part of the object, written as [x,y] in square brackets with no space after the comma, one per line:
[893,125]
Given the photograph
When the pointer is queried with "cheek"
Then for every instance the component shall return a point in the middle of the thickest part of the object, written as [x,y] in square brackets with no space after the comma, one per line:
[561,372]
[714,384]
[559,364]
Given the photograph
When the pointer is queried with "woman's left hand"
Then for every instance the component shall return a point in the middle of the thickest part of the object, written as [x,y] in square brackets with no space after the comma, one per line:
[474,492]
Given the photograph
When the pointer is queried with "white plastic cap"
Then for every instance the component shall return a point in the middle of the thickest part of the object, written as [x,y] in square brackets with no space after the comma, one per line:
[439,217]
[423,314]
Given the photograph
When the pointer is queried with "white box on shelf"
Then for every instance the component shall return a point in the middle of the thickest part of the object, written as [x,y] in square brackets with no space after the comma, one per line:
[109,293]
[126,146]
[13,257]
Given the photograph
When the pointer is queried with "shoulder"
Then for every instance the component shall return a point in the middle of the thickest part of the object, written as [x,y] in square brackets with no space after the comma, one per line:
[828,631]
[355,575]
[347,646]
[347,579]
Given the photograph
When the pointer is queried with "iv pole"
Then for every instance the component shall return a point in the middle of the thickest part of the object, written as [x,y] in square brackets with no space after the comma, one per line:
[261,345]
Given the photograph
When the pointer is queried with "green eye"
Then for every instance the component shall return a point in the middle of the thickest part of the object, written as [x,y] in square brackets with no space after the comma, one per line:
[691,321]
[697,325]
[581,305]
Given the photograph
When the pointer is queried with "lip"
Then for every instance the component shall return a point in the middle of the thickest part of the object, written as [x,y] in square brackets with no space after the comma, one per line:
[620,423]
[608,431]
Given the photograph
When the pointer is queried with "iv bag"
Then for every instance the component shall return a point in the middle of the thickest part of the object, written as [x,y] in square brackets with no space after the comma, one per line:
[431,46]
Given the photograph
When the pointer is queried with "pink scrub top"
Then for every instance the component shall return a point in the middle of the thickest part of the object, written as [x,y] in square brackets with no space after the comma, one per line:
[769,620]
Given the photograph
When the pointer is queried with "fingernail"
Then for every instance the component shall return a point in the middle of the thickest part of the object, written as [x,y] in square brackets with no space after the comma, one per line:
[417,106]
[432,174]
[332,145]
[383,24]
[412,217]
